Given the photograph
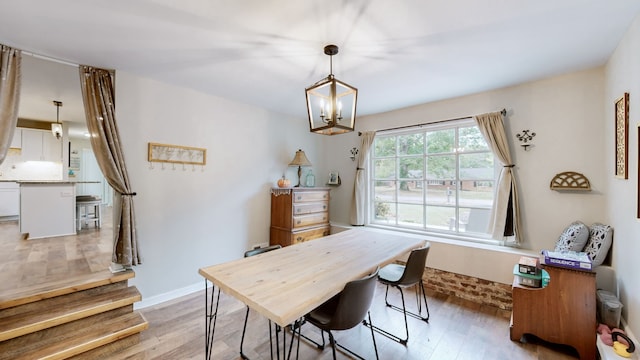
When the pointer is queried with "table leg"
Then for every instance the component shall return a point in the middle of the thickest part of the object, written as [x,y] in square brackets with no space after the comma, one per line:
[211,315]
[286,355]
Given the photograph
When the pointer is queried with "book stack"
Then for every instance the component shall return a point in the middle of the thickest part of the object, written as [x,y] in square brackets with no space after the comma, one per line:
[528,272]
[567,259]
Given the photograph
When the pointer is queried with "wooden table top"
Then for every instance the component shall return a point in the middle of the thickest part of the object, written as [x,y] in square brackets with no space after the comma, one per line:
[285,284]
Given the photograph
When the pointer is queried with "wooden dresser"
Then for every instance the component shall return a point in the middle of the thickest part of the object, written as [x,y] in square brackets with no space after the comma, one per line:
[564,312]
[299,214]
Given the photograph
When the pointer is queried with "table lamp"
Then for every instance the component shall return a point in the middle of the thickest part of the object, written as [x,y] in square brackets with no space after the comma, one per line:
[300,160]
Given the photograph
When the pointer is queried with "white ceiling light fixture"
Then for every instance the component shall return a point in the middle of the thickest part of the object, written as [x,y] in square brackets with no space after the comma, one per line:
[56,128]
[331,103]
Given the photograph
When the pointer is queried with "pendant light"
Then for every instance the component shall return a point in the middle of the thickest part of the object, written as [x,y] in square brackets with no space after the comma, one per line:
[331,103]
[56,128]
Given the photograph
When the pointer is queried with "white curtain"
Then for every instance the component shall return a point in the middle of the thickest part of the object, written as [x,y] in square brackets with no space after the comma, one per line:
[358,203]
[10,81]
[505,215]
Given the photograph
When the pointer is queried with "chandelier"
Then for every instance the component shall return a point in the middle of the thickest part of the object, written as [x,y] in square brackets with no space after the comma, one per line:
[331,103]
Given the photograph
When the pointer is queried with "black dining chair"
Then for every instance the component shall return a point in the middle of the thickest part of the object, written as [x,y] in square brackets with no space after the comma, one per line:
[402,276]
[344,311]
[249,253]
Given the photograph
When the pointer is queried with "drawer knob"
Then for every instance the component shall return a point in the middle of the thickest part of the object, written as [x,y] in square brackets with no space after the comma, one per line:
[324,207]
[298,222]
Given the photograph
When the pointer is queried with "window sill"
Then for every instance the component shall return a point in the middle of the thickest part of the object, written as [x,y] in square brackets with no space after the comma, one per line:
[450,239]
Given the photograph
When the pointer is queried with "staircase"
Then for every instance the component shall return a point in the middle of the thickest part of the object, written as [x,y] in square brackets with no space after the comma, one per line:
[83,318]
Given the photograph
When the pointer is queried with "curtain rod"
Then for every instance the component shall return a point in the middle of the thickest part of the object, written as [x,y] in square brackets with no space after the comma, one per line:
[503,112]
[48,58]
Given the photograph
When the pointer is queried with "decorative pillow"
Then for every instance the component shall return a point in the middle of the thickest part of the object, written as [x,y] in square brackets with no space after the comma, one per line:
[600,239]
[573,238]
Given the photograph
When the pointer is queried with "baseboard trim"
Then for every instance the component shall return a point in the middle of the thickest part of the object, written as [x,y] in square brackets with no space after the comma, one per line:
[168,296]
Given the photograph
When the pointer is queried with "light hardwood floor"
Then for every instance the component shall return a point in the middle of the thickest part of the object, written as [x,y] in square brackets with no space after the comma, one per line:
[458,329]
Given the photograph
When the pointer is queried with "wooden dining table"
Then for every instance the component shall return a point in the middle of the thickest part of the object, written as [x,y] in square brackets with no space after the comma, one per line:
[285,284]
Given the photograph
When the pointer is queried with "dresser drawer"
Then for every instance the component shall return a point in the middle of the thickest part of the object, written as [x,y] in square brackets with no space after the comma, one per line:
[307,235]
[308,208]
[308,220]
[307,196]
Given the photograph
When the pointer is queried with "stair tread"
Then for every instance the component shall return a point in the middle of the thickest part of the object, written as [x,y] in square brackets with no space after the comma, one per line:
[59,310]
[91,337]
[33,293]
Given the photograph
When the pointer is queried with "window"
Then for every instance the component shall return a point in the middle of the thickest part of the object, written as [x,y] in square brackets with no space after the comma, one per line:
[437,177]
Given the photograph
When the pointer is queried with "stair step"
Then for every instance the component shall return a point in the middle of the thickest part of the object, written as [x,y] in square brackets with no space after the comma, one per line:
[32,317]
[52,289]
[63,342]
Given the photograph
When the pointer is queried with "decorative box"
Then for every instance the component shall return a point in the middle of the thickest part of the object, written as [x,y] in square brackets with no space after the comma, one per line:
[529,265]
[539,280]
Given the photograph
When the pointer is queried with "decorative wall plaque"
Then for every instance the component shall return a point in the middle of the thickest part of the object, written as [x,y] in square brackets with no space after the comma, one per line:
[622,136]
[570,180]
[176,154]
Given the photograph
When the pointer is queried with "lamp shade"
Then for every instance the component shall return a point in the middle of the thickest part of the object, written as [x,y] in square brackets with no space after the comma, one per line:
[56,130]
[300,159]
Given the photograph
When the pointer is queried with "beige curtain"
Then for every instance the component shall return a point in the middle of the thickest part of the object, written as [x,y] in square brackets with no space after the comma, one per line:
[358,203]
[505,215]
[10,80]
[98,96]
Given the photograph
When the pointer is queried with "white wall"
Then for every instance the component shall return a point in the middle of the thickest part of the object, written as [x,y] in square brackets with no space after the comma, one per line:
[190,219]
[623,75]
[566,114]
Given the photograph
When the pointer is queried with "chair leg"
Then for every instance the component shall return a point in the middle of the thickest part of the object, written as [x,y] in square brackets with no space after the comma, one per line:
[373,337]
[412,314]
[424,297]
[333,344]
[405,312]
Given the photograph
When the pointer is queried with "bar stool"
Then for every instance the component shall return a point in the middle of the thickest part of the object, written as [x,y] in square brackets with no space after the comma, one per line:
[88,209]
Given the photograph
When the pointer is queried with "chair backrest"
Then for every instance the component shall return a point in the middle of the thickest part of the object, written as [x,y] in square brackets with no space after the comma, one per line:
[355,301]
[258,251]
[415,266]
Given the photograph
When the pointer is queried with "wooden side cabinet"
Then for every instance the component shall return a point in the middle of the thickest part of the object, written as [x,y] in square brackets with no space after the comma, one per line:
[298,215]
[564,312]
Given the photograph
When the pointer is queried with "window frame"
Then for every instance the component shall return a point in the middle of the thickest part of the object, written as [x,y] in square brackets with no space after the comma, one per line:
[425,228]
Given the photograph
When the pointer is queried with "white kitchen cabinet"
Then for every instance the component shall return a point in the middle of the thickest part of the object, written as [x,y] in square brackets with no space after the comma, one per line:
[9,199]
[16,142]
[38,145]
[51,147]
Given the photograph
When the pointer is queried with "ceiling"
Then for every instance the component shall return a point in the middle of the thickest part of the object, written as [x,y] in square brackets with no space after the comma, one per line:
[266,52]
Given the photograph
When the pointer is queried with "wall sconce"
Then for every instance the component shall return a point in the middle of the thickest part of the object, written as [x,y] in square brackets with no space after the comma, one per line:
[354,152]
[525,138]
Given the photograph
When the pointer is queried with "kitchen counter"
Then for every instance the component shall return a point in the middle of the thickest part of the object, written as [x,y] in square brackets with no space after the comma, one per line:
[50,181]
[47,208]
[54,182]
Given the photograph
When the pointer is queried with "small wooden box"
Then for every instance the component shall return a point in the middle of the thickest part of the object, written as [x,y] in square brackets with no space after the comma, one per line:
[529,265]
